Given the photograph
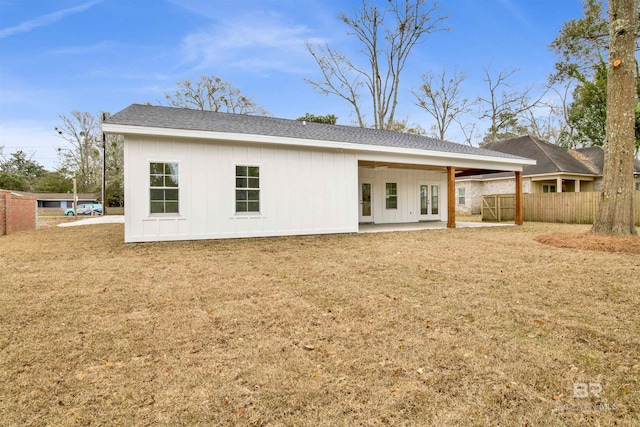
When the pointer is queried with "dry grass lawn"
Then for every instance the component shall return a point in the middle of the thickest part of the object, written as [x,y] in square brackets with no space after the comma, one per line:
[468,327]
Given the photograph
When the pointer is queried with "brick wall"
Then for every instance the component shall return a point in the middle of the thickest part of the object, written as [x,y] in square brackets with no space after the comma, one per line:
[17,213]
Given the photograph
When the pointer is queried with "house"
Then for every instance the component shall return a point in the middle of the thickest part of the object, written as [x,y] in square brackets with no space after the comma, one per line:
[191,174]
[557,169]
[58,202]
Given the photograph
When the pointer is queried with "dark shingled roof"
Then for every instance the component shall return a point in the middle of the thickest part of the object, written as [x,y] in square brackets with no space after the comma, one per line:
[594,158]
[549,158]
[181,118]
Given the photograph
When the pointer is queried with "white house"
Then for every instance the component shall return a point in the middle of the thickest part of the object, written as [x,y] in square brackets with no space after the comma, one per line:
[193,174]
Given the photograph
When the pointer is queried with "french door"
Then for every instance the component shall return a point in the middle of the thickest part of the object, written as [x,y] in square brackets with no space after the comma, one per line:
[429,202]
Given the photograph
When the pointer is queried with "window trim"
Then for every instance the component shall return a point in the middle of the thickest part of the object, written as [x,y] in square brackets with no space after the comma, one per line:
[247,213]
[150,187]
[389,197]
[462,195]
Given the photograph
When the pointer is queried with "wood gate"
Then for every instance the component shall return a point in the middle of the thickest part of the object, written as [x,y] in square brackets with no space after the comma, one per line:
[499,207]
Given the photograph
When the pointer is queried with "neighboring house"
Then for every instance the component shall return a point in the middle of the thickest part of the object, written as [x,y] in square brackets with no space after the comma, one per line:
[557,169]
[191,174]
[60,200]
[63,200]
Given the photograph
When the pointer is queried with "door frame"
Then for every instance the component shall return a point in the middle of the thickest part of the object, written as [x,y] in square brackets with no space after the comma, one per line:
[361,217]
[430,216]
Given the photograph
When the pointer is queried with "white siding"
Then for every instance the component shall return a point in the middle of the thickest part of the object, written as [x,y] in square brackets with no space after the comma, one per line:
[303,191]
[408,181]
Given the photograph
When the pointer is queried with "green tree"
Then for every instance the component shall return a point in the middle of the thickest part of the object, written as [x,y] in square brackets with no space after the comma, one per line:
[588,112]
[54,182]
[114,192]
[329,119]
[386,36]
[9,181]
[582,48]
[23,168]
[211,93]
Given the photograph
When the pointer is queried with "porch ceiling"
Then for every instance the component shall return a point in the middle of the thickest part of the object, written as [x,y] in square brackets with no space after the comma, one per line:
[391,165]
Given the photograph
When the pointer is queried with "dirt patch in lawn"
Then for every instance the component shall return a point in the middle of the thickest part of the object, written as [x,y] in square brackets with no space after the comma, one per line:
[592,241]
[466,327]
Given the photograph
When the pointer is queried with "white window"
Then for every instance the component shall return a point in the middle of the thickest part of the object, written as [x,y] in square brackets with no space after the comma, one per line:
[247,189]
[637,185]
[392,195]
[461,196]
[548,188]
[163,188]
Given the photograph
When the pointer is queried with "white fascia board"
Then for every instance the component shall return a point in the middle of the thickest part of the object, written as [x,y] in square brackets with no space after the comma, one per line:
[545,176]
[410,154]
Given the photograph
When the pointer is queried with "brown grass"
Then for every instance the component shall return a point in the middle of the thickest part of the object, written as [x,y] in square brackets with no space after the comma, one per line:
[442,327]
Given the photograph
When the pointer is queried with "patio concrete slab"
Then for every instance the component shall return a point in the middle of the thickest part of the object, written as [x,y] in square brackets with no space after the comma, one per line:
[430,225]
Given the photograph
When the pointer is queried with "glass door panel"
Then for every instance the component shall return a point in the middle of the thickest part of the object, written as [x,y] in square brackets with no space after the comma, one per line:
[434,200]
[366,199]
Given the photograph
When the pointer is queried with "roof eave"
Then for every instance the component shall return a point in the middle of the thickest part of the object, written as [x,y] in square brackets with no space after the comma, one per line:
[111,128]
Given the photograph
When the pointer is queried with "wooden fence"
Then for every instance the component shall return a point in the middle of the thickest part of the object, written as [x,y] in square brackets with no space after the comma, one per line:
[571,208]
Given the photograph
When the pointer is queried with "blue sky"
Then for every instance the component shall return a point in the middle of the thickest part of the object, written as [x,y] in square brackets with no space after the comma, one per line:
[102,55]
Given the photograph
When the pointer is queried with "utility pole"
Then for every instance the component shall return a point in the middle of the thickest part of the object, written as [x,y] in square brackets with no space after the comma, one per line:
[104,168]
[75,200]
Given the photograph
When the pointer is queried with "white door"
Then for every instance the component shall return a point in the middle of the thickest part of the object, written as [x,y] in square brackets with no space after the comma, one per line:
[366,202]
[429,203]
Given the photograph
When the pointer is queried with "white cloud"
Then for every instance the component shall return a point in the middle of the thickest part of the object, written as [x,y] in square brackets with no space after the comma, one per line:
[46,19]
[255,43]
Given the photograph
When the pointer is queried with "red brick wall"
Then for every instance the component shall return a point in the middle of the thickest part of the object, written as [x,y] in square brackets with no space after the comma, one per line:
[17,213]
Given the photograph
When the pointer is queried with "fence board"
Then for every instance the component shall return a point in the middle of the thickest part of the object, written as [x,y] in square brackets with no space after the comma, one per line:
[571,208]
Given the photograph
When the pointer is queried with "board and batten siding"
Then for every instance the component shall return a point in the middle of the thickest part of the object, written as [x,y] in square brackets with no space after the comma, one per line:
[408,181]
[302,191]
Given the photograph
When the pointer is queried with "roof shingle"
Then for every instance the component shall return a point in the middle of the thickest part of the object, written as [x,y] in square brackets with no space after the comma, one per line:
[182,118]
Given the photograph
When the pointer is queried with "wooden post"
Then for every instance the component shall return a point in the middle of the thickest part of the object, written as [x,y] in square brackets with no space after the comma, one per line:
[75,200]
[451,197]
[519,201]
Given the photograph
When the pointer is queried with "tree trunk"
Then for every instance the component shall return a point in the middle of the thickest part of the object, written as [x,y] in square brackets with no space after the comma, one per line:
[615,215]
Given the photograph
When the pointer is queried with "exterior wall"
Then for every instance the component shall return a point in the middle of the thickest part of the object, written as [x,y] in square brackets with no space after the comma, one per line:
[302,191]
[474,190]
[408,181]
[17,212]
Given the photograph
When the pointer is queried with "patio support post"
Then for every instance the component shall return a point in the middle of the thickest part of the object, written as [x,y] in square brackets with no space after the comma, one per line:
[519,201]
[451,197]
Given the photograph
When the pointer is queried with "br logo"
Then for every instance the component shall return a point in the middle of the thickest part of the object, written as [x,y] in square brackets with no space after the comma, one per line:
[584,390]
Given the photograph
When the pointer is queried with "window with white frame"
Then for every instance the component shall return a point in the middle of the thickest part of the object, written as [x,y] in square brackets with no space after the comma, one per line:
[392,195]
[637,185]
[163,188]
[548,188]
[461,195]
[247,189]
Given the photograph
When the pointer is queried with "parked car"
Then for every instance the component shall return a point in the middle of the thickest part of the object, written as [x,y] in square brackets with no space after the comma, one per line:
[85,209]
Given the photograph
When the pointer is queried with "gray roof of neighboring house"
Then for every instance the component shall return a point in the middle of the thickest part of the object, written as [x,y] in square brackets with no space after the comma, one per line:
[58,196]
[549,158]
[182,118]
[594,157]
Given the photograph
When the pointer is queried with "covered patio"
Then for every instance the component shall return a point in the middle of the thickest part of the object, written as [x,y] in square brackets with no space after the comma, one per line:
[429,225]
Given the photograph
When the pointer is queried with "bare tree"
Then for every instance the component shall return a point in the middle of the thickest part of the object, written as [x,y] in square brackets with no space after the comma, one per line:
[615,213]
[387,38]
[439,96]
[211,93]
[469,130]
[504,106]
[83,157]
